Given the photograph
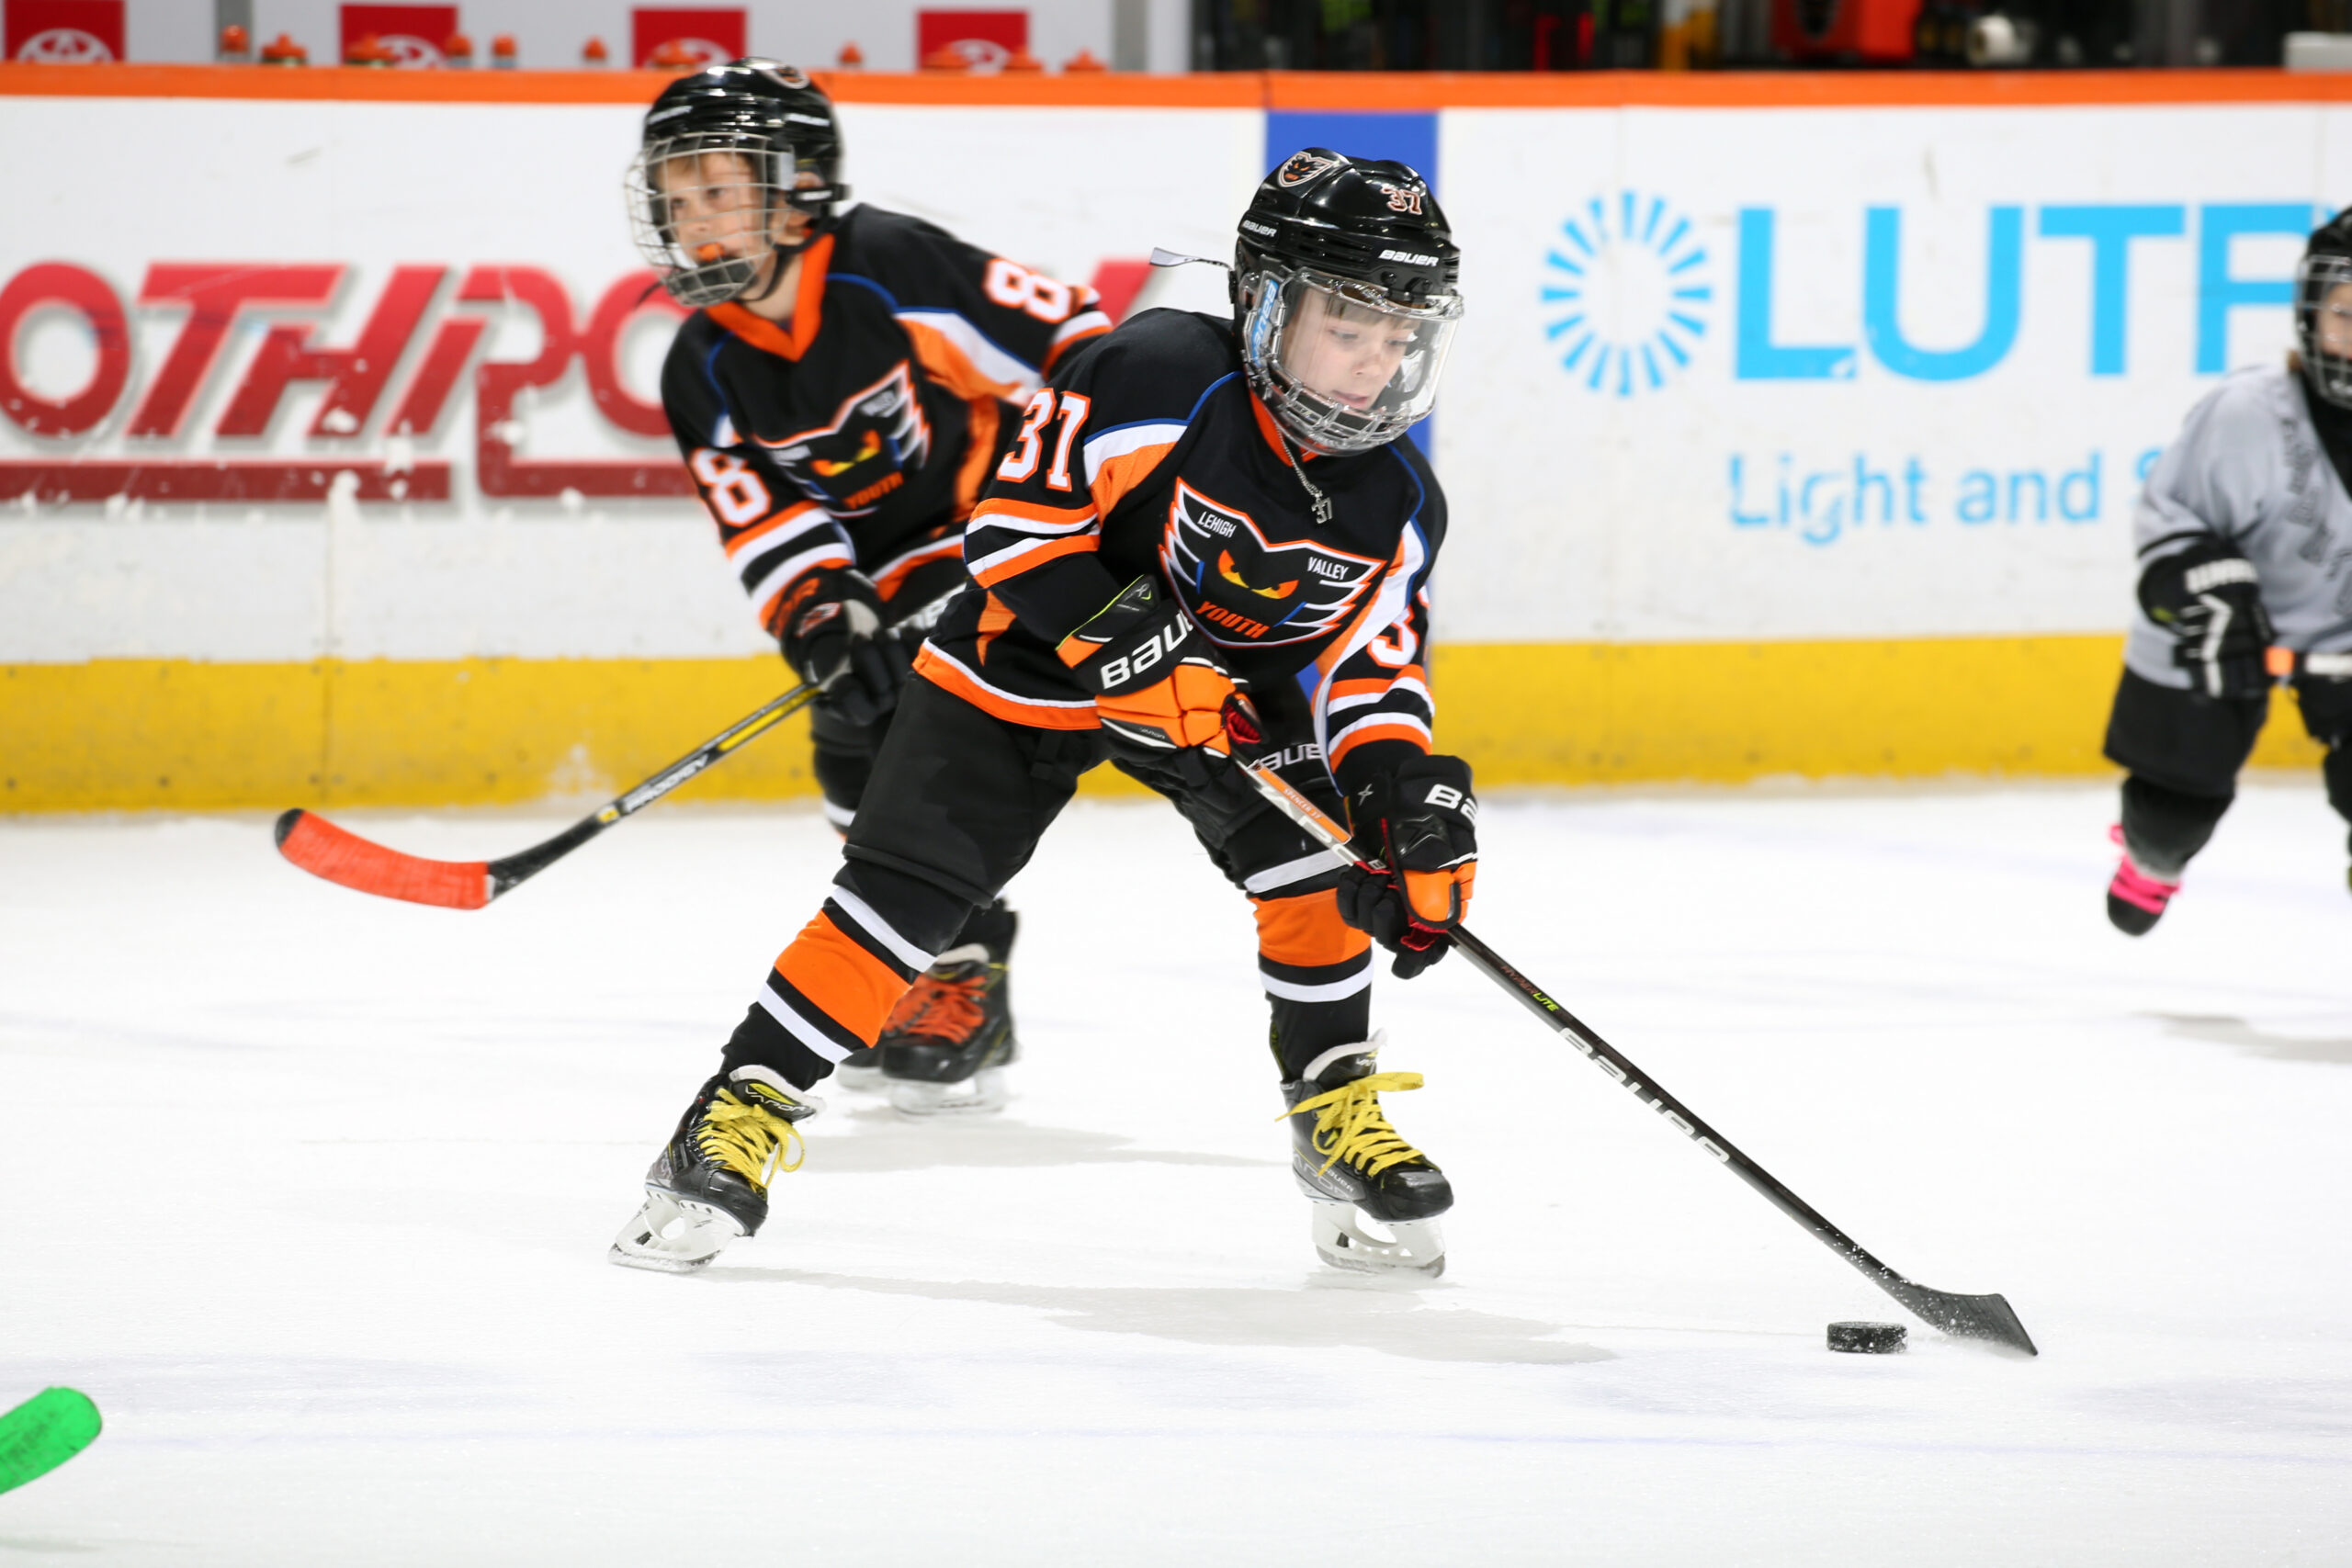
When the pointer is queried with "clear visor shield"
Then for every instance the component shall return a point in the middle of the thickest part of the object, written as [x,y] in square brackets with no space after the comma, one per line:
[707,211]
[1348,368]
[2323,324]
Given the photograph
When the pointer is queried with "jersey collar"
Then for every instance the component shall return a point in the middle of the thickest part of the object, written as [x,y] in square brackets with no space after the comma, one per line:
[761,333]
[1273,432]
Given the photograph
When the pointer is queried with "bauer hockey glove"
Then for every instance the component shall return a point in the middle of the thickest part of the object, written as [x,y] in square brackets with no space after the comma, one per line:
[2209,597]
[1419,825]
[1157,680]
[830,626]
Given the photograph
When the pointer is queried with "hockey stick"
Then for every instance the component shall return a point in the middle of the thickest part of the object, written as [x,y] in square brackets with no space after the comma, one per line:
[1972,1317]
[343,857]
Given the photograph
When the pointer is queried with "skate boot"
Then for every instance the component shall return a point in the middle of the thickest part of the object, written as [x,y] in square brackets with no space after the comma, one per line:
[1352,1166]
[709,1184]
[947,1045]
[861,1074]
[2135,900]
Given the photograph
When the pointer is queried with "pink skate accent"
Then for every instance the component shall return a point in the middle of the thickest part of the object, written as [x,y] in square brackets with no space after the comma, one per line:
[2135,886]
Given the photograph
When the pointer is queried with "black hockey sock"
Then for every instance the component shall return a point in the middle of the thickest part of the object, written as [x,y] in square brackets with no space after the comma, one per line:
[993,926]
[2163,828]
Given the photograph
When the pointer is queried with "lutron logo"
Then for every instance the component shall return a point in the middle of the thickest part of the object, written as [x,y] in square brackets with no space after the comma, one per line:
[1627,284]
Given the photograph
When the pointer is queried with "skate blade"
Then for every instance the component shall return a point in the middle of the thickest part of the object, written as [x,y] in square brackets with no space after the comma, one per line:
[983,1092]
[1345,1239]
[858,1076]
[671,1237]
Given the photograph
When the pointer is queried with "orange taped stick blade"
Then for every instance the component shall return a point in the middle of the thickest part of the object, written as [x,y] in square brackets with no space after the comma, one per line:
[324,850]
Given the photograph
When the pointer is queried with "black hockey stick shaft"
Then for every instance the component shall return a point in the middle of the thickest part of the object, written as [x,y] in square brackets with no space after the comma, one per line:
[1978,1318]
[517,868]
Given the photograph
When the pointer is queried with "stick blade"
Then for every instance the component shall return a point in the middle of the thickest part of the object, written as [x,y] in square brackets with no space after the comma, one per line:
[1965,1318]
[43,1433]
[345,859]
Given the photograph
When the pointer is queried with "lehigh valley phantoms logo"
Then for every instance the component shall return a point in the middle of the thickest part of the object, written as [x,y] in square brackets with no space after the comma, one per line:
[849,466]
[1247,591]
[1302,167]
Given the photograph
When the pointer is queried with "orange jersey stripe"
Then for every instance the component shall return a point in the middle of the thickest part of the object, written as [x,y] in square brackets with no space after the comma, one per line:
[856,989]
[1029,560]
[891,581]
[995,619]
[1306,932]
[1118,475]
[1029,511]
[1374,687]
[1355,738]
[1068,344]
[758,531]
[948,675]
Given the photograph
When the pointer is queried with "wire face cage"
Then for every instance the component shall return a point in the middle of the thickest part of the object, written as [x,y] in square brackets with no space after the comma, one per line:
[707,210]
[1342,365]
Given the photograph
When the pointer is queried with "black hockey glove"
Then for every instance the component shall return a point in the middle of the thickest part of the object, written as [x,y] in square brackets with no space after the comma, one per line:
[830,628]
[2210,599]
[1418,824]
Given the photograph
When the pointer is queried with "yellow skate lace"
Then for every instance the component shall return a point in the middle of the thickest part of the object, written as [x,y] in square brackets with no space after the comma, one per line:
[1350,1125]
[748,1139]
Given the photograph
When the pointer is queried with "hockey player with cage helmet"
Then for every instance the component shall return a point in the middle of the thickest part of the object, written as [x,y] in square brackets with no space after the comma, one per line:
[1207,532]
[845,384]
[2245,535]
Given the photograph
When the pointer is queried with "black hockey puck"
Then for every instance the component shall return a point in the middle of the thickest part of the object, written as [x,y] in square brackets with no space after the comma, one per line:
[1866,1338]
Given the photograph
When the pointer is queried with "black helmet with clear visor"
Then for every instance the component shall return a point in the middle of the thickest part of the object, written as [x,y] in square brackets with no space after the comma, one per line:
[2320,320]
[727,153]
[1345,277]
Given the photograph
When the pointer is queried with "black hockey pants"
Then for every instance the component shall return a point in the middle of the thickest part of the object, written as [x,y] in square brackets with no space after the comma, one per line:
[2184,752]
[958,801]
[843,755]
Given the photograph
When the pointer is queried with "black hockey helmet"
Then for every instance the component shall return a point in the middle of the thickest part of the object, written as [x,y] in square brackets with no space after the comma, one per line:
[778,127]
[1345,281]
[2327,262]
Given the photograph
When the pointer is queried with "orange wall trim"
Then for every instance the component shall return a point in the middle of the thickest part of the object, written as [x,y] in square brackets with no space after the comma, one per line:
[1399,91]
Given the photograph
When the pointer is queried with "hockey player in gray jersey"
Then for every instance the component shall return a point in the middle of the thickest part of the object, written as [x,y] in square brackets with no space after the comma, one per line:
[2244,537]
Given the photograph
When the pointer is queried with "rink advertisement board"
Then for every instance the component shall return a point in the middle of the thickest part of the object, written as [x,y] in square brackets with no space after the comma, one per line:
[1780,436]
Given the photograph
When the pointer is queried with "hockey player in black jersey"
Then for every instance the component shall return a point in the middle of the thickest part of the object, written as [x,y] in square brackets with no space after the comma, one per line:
[2245,534]
[1197,517]
[842,389]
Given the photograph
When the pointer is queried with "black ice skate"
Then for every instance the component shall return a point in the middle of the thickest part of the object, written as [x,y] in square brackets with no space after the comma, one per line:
[2135,900]
[1353,1166]
[709,1184]
[947,1045]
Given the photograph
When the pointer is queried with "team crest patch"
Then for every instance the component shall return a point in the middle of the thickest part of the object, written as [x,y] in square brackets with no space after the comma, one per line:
[1247,591]
[878,436]
[1303,168]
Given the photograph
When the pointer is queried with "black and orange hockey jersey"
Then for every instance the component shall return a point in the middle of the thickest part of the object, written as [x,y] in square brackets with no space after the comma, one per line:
[1148,453]
[860,433]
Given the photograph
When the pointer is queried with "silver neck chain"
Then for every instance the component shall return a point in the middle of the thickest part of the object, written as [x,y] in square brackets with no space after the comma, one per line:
[1298,465]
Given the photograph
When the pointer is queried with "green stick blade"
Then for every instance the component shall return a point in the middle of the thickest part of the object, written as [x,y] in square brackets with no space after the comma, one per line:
[43,1433]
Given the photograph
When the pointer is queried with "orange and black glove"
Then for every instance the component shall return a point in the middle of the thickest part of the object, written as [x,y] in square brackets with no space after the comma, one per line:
[1157,680]
[1419,825]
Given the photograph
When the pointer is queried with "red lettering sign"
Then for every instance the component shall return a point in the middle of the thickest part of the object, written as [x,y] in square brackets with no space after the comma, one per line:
[76,288]
[66,32]
[214,293]
[712,35]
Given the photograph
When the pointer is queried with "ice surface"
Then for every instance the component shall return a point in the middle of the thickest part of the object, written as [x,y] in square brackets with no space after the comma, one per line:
[311,1192]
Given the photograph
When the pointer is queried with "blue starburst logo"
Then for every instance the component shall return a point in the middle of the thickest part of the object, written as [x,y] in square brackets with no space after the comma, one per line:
[1630,296]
